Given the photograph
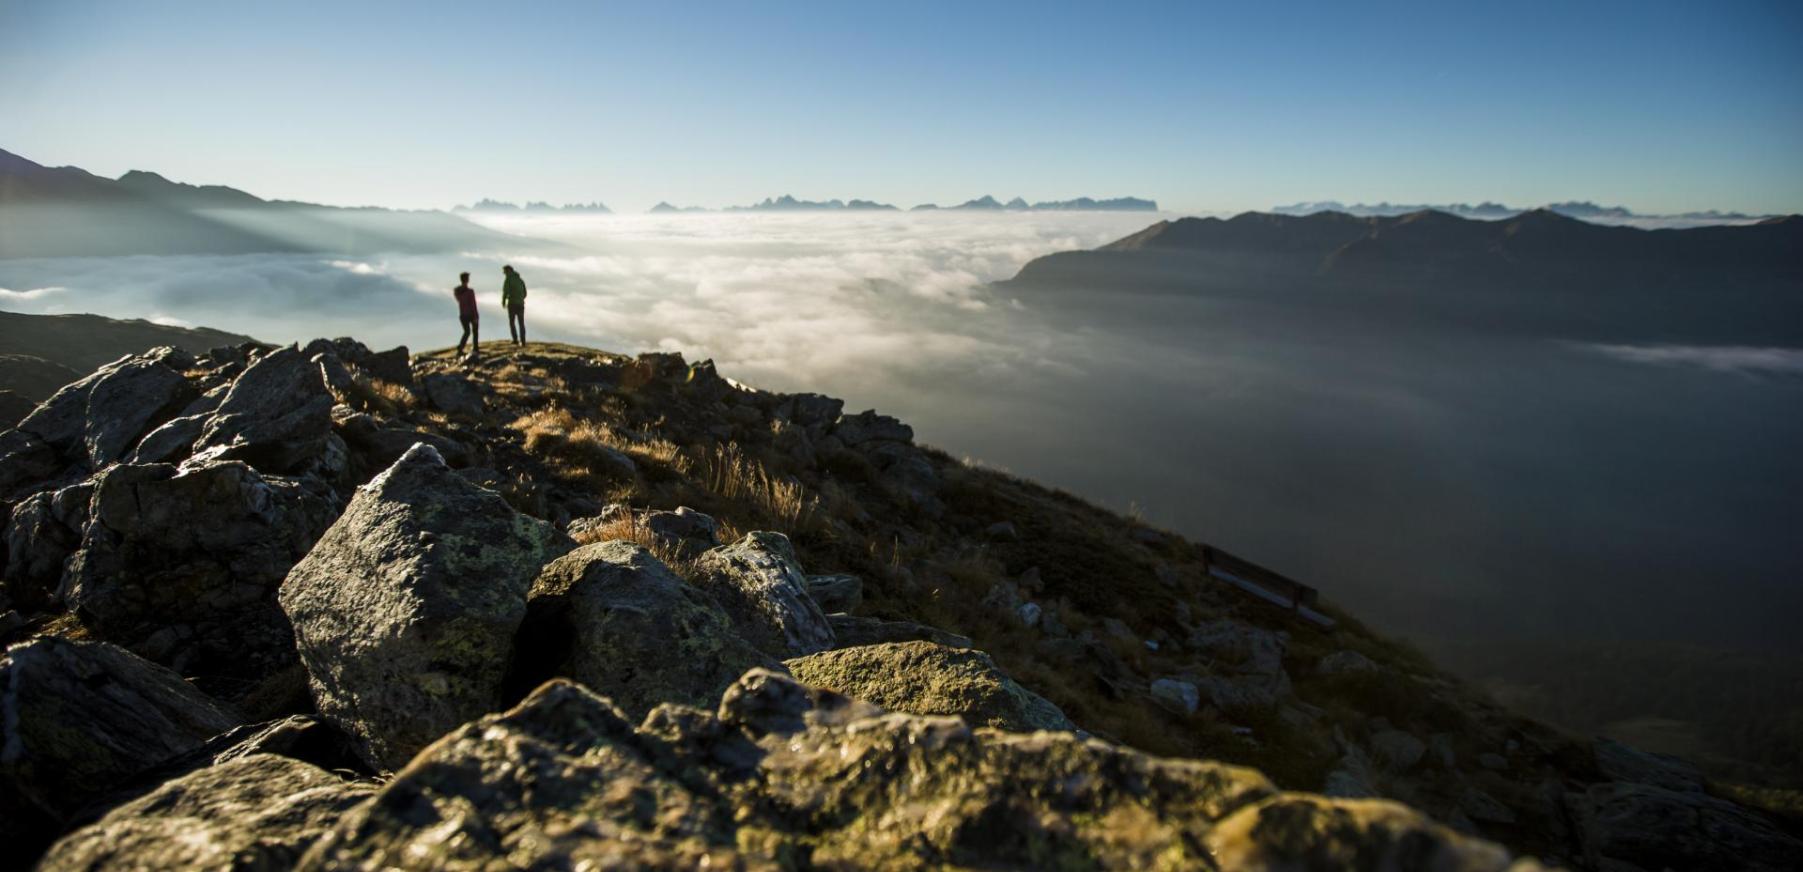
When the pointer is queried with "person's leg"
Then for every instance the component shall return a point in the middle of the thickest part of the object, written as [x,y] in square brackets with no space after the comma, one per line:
[466,336]
[521,312]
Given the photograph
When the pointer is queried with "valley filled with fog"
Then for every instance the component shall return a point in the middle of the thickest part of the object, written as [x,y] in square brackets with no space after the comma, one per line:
[1443,482]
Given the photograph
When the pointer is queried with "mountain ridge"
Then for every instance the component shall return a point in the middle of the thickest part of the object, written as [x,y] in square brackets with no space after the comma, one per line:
[69,212]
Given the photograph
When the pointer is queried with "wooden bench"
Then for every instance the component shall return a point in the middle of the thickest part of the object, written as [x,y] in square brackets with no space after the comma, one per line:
[1268,585]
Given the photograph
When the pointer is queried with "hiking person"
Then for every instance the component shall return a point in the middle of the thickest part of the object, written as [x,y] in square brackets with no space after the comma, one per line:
[467,314]
[513,296]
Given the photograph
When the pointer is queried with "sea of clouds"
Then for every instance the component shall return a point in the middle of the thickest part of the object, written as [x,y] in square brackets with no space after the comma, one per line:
[867,304]
[1411,473]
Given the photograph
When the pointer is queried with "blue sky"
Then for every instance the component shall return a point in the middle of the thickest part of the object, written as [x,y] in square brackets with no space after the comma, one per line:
[1659,106]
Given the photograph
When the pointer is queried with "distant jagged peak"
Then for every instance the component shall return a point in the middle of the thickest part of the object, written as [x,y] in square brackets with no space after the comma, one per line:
[489,205]
[789,203]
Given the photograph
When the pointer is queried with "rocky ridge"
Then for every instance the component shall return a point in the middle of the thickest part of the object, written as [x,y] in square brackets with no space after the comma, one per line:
[329,607]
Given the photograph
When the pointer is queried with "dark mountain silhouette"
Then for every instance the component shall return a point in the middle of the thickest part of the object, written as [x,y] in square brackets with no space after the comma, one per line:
[1492,210]
[1538,270]
[664,208]
[69,212]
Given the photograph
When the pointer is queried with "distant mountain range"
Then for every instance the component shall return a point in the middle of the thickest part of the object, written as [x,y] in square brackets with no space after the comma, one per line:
[1492,211]
[70,212]
[788,203]
[486,205]
[1080,204]
[1539,271]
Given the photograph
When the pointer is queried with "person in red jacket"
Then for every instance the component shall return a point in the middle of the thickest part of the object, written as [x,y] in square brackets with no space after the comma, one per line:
[466,313]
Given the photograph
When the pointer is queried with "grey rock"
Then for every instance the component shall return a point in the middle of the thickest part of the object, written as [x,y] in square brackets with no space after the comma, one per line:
[1240,692]
[43,532]
[614,618]
[28,464]
[172,442]
[1028,613]
[405,611]
[182,566]
[852,630]
[811,410]
[1345,661]
[1002,531]
[1352,777]
[453,395]
[1177,695]
[869,427]
[10,621]
[77,719]
[276,417]
[95,421]
[1397,750]
[258,812]
[1493,762]
[337,377]
[763,589]
[836,593]
[1239,647]
[683,528]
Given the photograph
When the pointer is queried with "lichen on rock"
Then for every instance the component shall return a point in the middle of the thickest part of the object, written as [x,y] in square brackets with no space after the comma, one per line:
[924,678]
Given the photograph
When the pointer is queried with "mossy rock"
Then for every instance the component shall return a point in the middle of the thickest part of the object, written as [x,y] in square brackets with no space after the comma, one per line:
[924,678]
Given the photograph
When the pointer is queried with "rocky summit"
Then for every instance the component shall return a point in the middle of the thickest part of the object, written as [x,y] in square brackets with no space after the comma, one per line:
[325,607]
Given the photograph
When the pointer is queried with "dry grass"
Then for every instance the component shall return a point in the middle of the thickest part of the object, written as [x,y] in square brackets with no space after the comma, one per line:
[576,450]
[726,472]
[629,528]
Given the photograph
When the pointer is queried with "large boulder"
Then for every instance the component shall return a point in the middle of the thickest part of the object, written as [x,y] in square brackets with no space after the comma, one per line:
[405,611]
[613,617]
[762,587]
[276,417]
[181,565]
[258,812]
[926,679]
[785,776]
[78,719]
[98,419]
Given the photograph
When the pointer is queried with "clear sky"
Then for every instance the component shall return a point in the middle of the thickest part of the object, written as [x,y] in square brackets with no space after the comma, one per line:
[1660,106]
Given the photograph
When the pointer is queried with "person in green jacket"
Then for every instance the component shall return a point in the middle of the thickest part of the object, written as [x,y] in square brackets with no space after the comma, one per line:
[513,298]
